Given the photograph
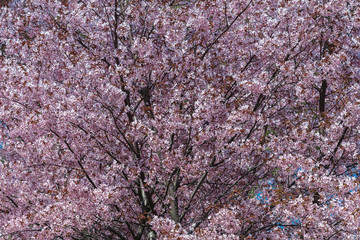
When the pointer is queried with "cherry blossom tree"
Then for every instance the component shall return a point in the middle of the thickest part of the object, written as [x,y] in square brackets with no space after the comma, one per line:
[129,119]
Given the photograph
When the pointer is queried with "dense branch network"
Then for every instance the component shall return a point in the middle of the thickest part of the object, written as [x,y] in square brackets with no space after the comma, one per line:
[179,119]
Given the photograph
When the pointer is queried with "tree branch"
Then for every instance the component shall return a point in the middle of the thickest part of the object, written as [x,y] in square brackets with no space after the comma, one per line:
[225,30]
[186,210]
